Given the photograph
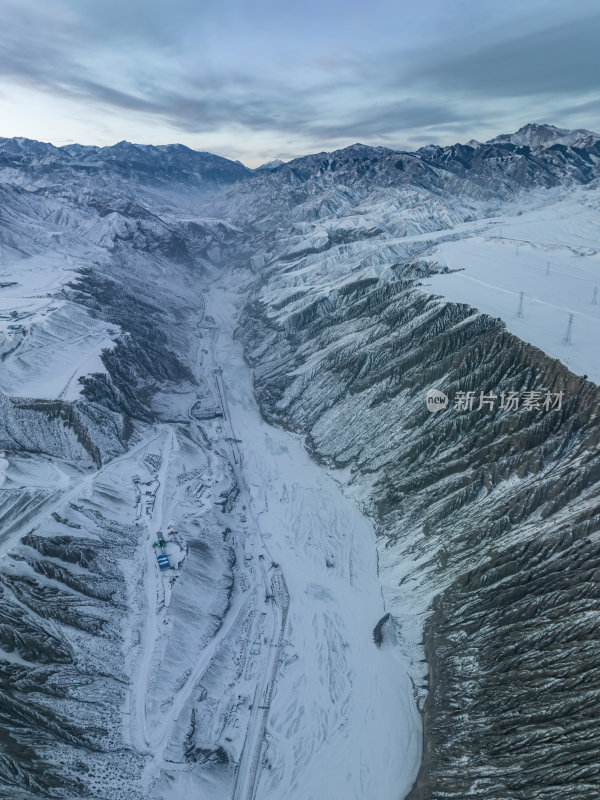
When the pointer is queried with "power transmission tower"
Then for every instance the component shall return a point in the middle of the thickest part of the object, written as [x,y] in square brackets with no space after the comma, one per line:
[520,309]
[567,337]
[595,296]
[547,268]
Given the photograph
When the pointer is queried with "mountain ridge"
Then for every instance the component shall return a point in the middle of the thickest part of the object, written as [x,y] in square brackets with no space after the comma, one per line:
[533,134]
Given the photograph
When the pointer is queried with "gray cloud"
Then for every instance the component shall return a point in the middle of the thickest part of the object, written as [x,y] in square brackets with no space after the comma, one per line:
[388,118]
[199,69]
[560,59]
[588,107]
[210,101]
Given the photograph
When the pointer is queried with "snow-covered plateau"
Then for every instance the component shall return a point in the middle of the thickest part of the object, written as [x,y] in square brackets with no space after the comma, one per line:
[240,558]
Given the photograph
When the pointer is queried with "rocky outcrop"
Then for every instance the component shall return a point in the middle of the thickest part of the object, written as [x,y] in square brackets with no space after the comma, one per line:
[62,598]
[80,432]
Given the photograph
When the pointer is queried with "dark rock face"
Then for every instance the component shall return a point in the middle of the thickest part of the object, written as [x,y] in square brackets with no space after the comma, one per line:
[514,655]
[500,510]
[142,361]
[60,595]
[63,430]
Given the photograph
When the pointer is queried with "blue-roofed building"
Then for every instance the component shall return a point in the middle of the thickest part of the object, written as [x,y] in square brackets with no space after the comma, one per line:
[163,560]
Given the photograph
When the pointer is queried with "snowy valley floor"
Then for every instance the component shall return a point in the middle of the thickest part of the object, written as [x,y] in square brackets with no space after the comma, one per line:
[287,695]
[316,709]
[343,721]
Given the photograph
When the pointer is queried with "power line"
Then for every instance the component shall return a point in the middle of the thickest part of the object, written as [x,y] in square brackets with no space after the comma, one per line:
[567,339]
[520,309]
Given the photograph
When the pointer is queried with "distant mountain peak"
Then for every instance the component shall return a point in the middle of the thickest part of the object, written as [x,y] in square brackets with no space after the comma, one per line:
[539,135]
[277,162]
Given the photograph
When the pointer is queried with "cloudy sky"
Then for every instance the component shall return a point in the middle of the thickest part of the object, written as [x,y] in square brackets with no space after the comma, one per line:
[263,79]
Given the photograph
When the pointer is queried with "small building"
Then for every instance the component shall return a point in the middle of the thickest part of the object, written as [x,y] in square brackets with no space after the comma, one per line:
[163,560]
[161,556]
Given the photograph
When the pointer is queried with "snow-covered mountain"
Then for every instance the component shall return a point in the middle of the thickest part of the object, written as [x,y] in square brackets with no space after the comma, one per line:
[277,162]
[114,169]
[228,368]
[538,137]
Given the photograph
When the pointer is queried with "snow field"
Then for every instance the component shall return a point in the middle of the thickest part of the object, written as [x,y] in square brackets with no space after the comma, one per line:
[551,255]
